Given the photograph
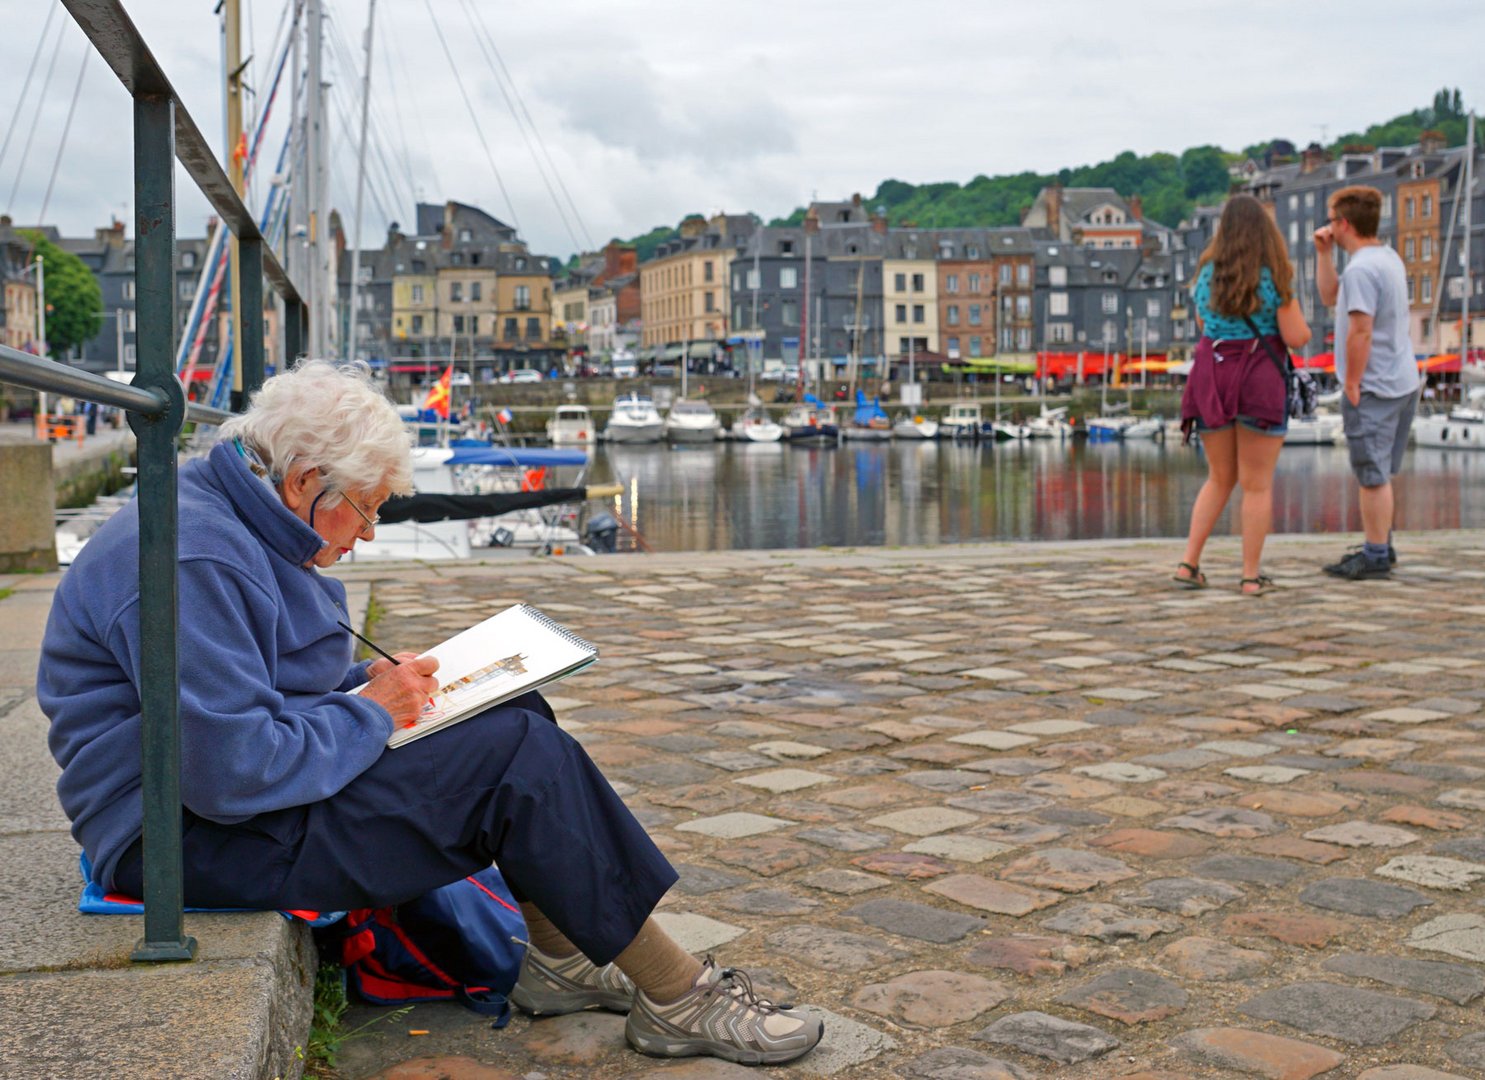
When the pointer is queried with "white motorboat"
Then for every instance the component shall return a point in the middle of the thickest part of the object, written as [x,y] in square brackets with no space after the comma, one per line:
[634,420]
[690,421]
[1006,431]
[1462,428]
[1051,424]
[914,427]
[1321,429]
[812,424]
[1108,428]
[755,425]
[571,425]
[962,421]
[877,430]
[1151,427]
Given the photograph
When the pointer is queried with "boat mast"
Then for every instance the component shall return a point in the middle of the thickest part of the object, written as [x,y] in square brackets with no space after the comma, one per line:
[1469,183]
[318,276]
[755,346]
[236,154]
[348,347]
[804,308]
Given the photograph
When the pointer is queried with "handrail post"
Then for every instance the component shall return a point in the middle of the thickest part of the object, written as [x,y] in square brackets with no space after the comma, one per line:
[159,664]
[248,310]
[293,333]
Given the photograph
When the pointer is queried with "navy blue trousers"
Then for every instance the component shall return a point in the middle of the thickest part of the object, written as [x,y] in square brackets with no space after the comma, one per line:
[507,786]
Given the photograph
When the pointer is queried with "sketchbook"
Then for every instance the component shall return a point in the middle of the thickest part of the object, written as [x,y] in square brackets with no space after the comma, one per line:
[508,654]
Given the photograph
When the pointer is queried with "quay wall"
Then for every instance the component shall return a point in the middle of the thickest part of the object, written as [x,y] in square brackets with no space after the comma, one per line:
[27,532]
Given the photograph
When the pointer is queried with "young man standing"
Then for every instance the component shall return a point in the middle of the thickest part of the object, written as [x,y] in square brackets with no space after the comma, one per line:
[1374,361]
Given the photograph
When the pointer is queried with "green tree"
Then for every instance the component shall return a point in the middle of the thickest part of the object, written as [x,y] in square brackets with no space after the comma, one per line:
[1204,171]
[74,303]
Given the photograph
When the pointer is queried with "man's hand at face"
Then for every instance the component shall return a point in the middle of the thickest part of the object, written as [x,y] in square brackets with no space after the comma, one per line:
[1324,240]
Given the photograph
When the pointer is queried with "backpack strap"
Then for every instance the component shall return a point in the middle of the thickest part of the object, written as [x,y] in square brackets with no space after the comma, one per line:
[1282,365]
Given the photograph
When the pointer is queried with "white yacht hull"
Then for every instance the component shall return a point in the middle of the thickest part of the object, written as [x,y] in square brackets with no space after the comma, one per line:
[1449,433]
[679,434]
[1313,431]
[759,433]
[866,434]
[915,429]
[635,433]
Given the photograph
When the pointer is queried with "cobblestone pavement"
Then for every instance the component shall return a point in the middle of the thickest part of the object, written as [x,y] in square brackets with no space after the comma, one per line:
[1027,810]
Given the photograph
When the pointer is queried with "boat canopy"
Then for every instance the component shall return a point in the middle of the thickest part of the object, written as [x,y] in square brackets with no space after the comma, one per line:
[477,453]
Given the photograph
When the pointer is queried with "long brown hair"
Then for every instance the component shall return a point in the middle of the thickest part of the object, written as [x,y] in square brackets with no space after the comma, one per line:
[1247,240]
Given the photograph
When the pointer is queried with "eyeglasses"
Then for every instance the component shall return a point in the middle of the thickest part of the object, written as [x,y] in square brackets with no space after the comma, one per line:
[371,522]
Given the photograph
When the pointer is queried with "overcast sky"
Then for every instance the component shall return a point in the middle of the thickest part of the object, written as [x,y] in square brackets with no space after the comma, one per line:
[650,110]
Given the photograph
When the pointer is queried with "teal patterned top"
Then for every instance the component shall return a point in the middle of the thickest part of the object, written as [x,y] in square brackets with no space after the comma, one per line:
[1225,328]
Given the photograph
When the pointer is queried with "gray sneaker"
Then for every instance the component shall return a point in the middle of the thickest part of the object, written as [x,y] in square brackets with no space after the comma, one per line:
[548,986]
[722,1017]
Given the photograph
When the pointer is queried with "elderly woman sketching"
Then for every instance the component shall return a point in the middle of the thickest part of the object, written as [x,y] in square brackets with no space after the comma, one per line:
[291,797]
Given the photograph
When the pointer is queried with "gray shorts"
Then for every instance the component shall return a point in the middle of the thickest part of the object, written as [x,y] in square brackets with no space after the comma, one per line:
[1377,435]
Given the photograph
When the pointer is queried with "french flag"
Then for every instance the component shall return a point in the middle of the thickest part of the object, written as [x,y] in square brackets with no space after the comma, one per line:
[505,416]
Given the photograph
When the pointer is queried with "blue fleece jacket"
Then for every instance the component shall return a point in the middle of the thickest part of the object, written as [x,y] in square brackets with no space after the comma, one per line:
[265,719]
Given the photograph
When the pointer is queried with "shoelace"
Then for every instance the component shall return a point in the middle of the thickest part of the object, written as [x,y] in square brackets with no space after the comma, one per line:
[738,984]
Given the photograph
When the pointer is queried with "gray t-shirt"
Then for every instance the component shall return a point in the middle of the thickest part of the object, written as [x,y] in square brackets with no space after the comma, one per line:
[1376,284]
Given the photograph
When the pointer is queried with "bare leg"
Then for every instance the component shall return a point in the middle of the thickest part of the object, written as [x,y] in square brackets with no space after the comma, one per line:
[1220,448]
[1376,513]
[1257,456]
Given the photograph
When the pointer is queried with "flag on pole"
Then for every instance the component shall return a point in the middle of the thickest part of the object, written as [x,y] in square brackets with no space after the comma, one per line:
[438,394]
[505,416]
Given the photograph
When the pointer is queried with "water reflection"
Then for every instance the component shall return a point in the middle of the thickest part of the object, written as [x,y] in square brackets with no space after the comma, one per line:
[778,496]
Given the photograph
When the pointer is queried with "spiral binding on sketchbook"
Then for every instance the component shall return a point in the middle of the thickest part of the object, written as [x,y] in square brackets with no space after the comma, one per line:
[557,628]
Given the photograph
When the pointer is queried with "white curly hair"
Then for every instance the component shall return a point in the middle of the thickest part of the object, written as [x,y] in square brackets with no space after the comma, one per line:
[330,417]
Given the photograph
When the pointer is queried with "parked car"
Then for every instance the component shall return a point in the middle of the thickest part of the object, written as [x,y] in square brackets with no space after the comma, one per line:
[625,369]
[522,375]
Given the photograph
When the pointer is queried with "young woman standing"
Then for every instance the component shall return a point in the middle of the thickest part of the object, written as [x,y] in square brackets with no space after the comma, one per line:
[1236,394]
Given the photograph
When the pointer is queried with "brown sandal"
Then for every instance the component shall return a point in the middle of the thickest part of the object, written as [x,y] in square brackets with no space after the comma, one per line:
[1261,584]
[1192,579]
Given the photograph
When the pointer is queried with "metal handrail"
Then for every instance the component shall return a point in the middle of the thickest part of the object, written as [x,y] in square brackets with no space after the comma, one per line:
[38,373]
[157,410]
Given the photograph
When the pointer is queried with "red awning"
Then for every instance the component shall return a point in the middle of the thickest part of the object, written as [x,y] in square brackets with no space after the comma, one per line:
[1065,365]
[1320,361]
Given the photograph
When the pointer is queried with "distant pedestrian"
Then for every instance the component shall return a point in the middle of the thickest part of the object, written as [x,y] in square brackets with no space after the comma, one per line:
[1375,365]
[1236,393]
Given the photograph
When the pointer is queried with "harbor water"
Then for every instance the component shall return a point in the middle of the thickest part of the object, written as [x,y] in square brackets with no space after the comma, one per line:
[758,496]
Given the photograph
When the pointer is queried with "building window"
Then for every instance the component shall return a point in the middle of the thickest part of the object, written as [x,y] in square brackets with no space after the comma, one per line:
[1152,309]
[972,251]
[708,271]
[1411,291]
[1057,302]
[456,291]
[1110,303]
[1408,208]
[129,353]
[1428,288]
[1293,232]
[417,294]
[953,346]
[466,235]
[789,313]
[753,279]
[975,345]
[417,325]
[1309,200]
[458,324]
[917,283]
[1387,207]
[737,283]
[974,283]
[523,297]
[188,260]
[786,247]
[129,289]
[1408,249]
[512,329]
[737,314]
[1023,307]
[1426,247]
[474,291]
[1023,338]
[1425,207]
[533,329]
[1057,276]
[1293,203]
[918,313]
[1023,273]
[951,283]
[901,313]
[1060,332]
[952,315]
[129,322]
[711,300]
[899,282]
[187,288]
[1005,273]
[788,277]
[974,314]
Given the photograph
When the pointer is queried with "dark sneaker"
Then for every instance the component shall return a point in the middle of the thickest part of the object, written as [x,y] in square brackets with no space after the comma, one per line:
[1355,566]
[1391,555]
[722,1017]
[548,986]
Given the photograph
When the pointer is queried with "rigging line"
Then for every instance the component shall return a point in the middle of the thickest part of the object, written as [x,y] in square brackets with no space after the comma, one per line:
[428,158]
[469,105]
[82,69]
[40,104]
[26,86]
[371,186]
[346,64]
[401,124]
[536,131]
[525,136]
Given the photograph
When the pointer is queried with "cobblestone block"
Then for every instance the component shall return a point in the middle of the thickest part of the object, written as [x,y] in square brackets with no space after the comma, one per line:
[1051,1037]
[1258,1054]
[931,999]
[1360,896]
[1202,959]
[1359,1017]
